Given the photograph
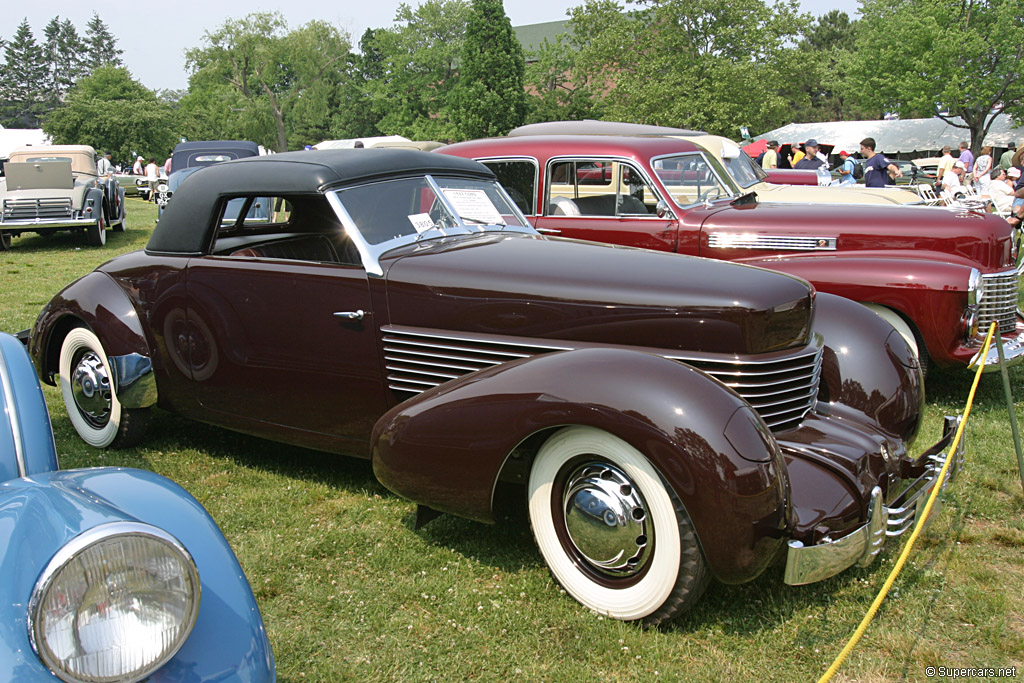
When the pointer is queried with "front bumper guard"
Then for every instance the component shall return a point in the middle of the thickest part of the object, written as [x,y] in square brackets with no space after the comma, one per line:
[1013,351]
[808,564]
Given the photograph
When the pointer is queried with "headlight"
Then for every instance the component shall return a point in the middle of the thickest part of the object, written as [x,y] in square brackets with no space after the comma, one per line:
[114,604]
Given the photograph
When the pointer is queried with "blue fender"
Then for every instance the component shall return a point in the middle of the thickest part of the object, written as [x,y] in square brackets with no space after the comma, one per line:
[446,448]
[26,440]
[40,514]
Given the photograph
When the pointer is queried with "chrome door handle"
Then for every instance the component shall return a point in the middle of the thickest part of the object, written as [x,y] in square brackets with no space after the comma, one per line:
[350,315]
[549,231]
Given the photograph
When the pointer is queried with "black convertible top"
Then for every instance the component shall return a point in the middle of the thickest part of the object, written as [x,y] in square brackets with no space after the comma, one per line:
[184,226]
[185,152]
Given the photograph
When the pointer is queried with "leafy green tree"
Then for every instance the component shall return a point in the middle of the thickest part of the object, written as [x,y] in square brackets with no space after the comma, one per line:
[21,89]
[489,99]
[556,89]
[274,73]
[100,45]
[418,69]
[111,111]
[964,57]
[62,52]
[708,64]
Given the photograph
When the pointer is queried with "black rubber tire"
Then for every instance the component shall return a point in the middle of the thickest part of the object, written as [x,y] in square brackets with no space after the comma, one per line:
[97,233]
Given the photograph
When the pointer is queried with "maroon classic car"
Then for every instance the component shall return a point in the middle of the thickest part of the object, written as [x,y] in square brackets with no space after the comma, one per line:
[939,276]
[664,419]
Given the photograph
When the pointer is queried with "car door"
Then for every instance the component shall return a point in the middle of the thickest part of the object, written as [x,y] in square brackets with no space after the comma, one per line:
[603,200]
[291,338]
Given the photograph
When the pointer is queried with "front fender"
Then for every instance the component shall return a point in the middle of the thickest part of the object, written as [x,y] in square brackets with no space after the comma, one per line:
[26,440]
[100,303]
[40,514]
[445,448]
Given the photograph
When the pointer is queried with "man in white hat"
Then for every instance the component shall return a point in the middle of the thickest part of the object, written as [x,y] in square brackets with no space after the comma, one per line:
[139,167]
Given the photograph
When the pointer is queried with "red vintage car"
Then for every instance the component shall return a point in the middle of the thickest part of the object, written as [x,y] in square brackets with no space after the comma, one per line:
[664,419]
[939,276]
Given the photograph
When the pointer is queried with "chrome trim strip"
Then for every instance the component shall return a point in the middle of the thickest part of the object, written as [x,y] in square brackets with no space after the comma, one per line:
[12,415]
[721,240]
[133,380]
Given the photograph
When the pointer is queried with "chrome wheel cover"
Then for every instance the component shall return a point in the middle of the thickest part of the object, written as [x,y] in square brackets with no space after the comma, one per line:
[90,385]
[606,520]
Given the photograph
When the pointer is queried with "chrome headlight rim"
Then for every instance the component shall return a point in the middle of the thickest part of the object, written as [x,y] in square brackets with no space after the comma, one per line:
[73,549]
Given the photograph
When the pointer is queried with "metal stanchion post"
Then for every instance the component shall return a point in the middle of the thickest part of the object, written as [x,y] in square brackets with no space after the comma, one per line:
[1013,413]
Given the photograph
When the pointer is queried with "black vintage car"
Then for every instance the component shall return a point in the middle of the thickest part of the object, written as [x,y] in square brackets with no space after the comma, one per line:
[664,419]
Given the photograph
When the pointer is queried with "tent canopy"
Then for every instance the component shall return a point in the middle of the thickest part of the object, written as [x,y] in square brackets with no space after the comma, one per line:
[893,137]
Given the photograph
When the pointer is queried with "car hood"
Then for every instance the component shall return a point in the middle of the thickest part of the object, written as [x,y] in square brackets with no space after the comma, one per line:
[965,237]
[812,194]
[536,287]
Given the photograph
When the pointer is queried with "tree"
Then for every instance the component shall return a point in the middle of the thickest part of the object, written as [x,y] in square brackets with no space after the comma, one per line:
[111,111]
[100,45]
[418,69]
[557,90]
[964,57]
[708,64]
[62,53]
[275,73]
[489,99]
[21,92]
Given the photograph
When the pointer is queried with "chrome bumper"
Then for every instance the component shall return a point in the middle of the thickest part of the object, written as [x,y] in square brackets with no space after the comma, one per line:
[26,225]
[807,564]
[1013,350]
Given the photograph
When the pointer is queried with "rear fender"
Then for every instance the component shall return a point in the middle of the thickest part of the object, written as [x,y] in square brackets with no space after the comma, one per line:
[446,448]
[94,300]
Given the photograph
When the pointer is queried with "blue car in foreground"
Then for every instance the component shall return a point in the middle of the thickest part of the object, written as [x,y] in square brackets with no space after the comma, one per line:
[110,574]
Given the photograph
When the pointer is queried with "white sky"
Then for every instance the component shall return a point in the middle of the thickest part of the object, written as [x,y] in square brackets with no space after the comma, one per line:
[155,35]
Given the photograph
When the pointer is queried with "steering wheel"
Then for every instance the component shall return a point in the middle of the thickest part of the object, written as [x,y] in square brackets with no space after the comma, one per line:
[707,196]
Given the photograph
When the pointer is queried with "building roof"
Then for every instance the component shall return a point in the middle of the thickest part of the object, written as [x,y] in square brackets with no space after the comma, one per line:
[532,36]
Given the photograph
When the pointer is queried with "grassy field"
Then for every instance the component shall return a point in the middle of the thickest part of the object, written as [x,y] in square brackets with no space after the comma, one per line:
[349,591]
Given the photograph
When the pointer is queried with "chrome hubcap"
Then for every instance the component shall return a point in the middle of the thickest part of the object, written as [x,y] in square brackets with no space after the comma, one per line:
[91,388]
[606,519]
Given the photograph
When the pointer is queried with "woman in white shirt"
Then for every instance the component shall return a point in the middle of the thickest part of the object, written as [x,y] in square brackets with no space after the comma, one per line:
[982,169]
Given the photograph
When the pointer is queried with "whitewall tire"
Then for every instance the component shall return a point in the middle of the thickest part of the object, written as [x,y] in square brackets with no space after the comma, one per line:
[612,532]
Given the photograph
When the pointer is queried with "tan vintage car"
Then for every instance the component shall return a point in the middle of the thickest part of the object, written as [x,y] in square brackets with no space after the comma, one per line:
[744,175]
[55,187]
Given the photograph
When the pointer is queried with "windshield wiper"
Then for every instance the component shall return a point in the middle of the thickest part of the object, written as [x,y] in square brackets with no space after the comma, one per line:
[481,221]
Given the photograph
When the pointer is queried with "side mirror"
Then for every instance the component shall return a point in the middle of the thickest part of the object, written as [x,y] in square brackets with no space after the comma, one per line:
[663,210]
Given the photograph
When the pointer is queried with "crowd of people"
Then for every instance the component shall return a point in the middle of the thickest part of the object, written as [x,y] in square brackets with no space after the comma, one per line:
[998,182]
[148,169]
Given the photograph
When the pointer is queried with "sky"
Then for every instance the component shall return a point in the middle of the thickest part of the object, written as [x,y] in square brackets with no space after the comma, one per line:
[155,35]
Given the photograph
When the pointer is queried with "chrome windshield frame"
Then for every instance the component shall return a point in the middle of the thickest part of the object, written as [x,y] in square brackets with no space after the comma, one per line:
[370,254]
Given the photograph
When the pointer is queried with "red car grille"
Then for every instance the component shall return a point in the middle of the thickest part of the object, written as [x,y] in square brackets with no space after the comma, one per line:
[997,300]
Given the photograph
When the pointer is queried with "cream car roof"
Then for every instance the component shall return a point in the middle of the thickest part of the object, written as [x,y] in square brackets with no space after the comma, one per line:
[83,157]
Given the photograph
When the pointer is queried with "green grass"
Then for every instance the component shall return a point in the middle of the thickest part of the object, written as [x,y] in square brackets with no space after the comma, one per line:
[349,591]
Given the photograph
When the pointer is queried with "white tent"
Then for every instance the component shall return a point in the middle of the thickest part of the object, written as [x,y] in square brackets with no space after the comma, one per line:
[894,137]
[367,142]
[12,138]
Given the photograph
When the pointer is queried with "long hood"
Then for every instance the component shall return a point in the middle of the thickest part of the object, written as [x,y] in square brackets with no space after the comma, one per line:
[537,287]
[958,236]
[812,194]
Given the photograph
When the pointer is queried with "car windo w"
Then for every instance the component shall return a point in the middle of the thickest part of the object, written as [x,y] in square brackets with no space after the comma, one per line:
[664,419]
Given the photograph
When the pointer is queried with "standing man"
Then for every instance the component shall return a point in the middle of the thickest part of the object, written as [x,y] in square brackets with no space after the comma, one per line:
[811,160]
[876,166]
[968,158]
[1006,160]
[945,163]
[153,176]
[771,156]
[103,167]
[846,170]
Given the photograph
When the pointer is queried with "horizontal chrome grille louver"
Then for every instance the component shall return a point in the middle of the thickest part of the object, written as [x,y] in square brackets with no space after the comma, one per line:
[727,240]
[997,300]
[781,391]
[31,209]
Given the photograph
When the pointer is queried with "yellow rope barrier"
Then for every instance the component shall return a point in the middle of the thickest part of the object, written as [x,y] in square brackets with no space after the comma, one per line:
[917,529]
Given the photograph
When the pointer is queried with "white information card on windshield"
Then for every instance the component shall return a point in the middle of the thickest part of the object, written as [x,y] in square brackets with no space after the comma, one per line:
[421,221]
[474,205]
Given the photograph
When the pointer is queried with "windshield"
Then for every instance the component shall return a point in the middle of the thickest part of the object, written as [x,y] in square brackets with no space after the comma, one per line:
[690,179]
[427,206]
[743,170]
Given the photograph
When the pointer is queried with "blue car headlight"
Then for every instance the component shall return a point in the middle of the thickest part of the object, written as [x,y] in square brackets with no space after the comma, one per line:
[114,604]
